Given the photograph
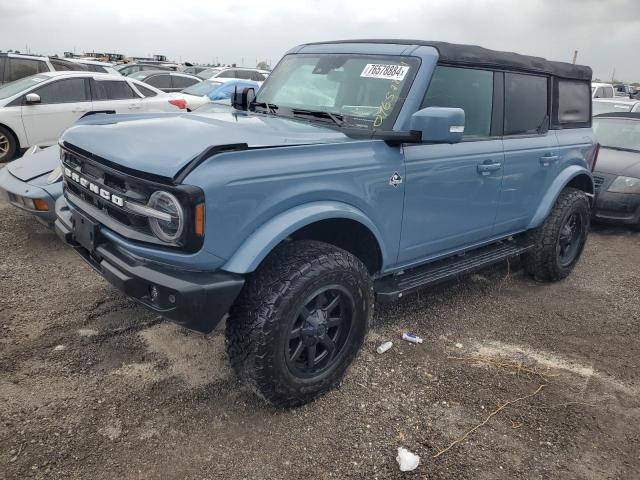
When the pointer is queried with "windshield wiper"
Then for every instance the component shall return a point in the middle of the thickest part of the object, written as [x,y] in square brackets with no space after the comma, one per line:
[335,117]
[271,107]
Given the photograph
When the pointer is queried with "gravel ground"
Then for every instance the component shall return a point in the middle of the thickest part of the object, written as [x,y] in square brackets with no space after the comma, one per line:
[92,386]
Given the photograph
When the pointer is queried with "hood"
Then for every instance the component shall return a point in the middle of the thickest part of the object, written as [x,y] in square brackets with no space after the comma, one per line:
[162,144]
[618,162]
[32,166]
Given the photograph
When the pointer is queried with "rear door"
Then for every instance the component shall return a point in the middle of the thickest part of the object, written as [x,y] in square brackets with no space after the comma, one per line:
[530,150]
[452,191]
[62,102]
[114,96]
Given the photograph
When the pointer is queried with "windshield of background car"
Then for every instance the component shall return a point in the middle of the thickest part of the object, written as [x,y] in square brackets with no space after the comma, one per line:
[13,88]
[617,133]
[202,88]
[205,74]
[366,90]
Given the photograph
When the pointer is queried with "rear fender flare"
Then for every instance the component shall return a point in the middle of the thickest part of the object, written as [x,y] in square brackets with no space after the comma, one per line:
[550,197]
[262,241]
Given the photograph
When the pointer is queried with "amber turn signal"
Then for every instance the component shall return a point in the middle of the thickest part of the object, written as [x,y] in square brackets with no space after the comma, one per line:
[40,204]
[199,229]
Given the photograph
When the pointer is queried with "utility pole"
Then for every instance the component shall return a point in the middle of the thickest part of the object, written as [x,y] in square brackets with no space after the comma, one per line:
[575,56]
[613,74]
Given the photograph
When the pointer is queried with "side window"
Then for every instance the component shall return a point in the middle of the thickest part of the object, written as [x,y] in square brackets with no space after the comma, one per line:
[159,81]
[608,92]
[147,92]
[70,90]
[599,93]
[571,101]
[257,77]
[244,74]
[228,74]
[466,88]
[526,103]
[182,82]
[65,66]
[24,67]
[113,90]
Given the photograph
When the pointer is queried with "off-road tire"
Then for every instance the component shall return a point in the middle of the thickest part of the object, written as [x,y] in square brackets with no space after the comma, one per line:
[256,330]
[10,143]
[543,262]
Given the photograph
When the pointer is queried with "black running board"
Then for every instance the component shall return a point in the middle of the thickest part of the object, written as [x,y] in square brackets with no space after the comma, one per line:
[395,286]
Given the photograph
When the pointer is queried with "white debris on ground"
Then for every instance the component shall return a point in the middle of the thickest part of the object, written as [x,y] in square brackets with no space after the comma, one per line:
[58,348]
[384,347]
[458,345]
[411,337]
[407,461]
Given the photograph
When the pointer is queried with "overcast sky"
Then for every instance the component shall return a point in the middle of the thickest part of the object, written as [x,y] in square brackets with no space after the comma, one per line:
[606,33]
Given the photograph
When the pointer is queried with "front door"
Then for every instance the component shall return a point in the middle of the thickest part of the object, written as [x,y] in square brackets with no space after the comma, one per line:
[452,191]
[62,102]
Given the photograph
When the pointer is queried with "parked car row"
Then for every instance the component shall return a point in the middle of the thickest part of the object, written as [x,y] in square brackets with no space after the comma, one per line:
[35,110]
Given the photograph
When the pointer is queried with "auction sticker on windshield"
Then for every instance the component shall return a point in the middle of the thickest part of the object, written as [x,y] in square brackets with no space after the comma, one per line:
[387,72]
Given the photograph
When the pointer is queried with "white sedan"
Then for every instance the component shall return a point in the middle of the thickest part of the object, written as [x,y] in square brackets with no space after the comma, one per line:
[36,110]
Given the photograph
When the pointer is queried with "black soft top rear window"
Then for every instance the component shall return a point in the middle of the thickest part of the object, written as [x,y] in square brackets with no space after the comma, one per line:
[571,103]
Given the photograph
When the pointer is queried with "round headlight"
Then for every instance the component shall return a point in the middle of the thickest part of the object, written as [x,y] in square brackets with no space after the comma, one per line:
[166,230]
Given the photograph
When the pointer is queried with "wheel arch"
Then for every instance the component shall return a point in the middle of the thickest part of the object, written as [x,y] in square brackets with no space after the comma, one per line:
[337,223]
[573,176]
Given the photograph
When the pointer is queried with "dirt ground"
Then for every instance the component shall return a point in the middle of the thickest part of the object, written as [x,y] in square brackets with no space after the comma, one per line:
[92,386]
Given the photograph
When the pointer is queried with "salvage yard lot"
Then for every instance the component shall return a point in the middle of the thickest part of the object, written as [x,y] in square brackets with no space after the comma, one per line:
[93,386]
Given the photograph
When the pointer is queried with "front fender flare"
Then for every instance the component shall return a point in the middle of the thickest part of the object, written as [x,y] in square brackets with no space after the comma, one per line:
[550,197]
[258,245]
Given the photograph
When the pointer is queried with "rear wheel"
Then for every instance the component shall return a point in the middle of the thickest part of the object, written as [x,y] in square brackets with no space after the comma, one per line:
[8,145]
[299,322]
[559,241]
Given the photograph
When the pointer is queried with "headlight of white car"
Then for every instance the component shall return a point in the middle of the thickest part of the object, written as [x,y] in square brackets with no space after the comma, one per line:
[55,176]
[625,185]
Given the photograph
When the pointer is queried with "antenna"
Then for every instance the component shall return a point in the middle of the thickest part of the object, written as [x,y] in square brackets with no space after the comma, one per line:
[575,56]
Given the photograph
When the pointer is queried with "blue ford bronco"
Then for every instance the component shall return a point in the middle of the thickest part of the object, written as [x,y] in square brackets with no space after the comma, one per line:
[362,170]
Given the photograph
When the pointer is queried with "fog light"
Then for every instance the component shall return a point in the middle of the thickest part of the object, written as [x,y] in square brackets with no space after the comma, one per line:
[153,293]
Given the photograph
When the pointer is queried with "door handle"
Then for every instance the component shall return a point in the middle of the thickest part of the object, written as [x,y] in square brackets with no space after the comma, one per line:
[548,160]
[487,168]
[78,110]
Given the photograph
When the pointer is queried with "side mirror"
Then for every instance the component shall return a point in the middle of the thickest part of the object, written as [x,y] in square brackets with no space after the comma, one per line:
[241,99]
[439,124]
[32,98]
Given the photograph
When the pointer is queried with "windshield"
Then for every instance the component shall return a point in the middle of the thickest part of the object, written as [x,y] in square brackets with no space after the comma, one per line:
[205,74]
[13,88]
[202,88]
[366,91]
[621,133]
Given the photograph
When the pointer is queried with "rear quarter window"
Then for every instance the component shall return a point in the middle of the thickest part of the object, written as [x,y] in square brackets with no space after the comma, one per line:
[572,102]
[526,104]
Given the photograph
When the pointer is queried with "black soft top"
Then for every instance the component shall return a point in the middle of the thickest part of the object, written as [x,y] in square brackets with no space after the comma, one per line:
[473,55]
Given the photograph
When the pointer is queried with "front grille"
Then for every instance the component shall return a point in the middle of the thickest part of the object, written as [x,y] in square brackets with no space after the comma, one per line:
[103,190]
[123,185]
[597,182]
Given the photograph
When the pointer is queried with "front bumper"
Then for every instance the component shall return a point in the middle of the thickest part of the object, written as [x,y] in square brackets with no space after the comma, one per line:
[195,300]
[14,190]
[622,208]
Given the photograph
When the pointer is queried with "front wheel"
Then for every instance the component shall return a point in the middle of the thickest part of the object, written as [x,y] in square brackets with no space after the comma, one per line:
[8,145]
[299,322]
[559,241]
